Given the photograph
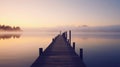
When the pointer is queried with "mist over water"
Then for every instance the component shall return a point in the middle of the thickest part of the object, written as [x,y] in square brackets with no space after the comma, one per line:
[100,49]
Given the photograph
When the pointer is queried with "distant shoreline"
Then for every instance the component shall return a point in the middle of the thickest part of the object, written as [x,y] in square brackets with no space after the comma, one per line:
[7,28]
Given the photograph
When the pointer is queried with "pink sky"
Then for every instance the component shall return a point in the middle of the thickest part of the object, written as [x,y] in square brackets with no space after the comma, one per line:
[52,13]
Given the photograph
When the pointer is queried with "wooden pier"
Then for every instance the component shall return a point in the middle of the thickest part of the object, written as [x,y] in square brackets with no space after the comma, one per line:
[59,53]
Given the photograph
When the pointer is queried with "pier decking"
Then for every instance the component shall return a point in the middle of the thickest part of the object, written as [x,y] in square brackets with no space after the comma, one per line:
[59,54]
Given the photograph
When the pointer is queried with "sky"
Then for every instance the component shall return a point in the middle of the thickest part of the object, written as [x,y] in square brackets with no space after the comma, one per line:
[53,13]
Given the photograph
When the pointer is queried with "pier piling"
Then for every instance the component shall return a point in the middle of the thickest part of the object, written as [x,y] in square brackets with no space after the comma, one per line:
[81,53]
[70,37]
[73,45]
[40,51]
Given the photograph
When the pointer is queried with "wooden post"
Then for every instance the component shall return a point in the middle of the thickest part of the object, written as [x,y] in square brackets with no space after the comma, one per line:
[70,36]
[66,35]
[40,51]
[63,34]
[81,53]
[74,45]
[53,40]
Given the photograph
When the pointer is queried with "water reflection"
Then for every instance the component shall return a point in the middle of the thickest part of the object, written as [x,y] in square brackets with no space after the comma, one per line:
[23,51]
[100,50]
[9,36]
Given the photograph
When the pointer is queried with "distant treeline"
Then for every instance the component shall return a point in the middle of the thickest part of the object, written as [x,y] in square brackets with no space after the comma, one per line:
[9,28]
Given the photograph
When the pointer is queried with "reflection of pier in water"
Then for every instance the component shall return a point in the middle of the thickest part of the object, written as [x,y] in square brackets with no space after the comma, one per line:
[8,36]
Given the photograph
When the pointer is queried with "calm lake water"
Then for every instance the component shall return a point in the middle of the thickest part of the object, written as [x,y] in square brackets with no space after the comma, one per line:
[21,50]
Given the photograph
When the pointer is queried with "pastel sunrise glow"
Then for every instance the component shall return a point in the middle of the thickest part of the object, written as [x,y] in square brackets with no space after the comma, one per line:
[52,13]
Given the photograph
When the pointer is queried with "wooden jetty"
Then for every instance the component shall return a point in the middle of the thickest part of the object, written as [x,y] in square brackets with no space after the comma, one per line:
[60,53]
